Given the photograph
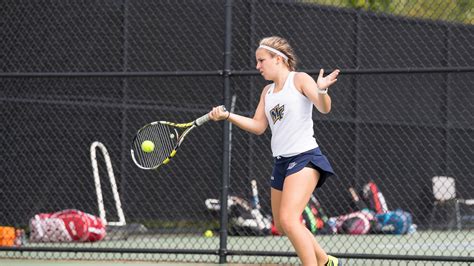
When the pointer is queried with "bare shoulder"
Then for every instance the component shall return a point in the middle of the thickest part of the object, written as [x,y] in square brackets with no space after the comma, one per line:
[265,89]
[302,80]
[302,77]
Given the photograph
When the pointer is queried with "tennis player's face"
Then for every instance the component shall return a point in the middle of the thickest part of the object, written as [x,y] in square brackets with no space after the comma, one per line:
[266,64]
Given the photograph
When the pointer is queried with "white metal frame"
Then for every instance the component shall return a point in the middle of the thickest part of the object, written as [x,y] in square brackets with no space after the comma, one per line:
[113,184]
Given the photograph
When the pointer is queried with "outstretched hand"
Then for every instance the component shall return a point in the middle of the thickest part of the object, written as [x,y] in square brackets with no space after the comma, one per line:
[326,82]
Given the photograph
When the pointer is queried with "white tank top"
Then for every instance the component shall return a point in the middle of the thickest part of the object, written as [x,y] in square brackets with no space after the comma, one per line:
[289,115]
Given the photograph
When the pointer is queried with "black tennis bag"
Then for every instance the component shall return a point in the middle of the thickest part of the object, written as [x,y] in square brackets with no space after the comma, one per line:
[243,219]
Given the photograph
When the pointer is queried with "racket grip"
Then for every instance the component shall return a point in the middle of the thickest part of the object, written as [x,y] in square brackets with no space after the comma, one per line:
[255,199]
[205,118]
[201,120]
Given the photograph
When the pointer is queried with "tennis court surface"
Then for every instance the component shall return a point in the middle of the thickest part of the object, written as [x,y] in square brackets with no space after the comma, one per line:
[417,244]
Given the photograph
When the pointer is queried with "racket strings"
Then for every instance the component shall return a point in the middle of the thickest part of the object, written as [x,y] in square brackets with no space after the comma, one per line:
[163,137]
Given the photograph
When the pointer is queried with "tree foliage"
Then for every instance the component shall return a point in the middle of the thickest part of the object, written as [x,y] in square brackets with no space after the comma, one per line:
[461,11]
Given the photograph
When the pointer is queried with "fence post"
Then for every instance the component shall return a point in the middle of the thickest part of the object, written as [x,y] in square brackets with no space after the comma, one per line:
[226,136]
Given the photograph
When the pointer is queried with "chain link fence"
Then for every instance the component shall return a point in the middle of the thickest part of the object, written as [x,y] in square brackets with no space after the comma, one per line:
[74,73]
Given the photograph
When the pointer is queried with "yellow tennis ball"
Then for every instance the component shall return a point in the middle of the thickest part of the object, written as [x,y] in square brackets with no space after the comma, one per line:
[148,146]
[208,233]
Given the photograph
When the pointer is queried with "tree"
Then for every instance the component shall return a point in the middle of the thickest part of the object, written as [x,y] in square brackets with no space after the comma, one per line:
[448,10]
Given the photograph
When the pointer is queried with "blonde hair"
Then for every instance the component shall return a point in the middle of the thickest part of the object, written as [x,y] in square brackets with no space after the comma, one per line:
[283,46]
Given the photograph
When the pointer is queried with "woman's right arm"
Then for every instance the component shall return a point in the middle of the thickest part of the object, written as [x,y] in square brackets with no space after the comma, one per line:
[256,125]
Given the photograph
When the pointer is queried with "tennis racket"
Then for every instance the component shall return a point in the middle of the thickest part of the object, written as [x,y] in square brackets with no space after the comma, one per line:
[163,139]
[255,200]
[360,205]
[256,211]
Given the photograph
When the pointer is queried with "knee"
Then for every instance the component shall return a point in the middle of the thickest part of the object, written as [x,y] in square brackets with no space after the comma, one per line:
[288,224]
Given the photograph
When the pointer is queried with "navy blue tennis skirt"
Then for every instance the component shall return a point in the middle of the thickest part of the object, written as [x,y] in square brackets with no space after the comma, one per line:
[285,166]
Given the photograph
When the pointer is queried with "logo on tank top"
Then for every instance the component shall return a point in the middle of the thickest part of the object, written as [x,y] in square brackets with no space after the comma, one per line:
[277,113]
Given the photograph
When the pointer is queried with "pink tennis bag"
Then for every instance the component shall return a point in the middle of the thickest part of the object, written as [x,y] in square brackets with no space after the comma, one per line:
[67,226]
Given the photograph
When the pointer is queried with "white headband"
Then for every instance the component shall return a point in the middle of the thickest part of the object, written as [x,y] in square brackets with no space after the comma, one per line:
[271,49]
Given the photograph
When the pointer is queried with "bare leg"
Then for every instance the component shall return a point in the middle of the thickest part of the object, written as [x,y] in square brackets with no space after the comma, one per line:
[275,196]
[287,206]
[321,255]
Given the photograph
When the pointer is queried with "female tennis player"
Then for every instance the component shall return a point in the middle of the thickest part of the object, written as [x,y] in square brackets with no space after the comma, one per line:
[299,166]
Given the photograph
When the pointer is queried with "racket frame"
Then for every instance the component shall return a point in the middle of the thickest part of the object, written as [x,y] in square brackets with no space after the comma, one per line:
[180,137]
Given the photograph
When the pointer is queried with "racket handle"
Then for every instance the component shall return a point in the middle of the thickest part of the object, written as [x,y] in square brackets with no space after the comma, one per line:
[201,120]
[205,118]
[255,199]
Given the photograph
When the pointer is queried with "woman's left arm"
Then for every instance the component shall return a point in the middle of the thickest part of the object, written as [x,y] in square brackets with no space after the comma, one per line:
[316,91]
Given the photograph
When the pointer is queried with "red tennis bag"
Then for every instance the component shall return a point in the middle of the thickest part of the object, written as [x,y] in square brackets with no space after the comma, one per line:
[356,223]
[67,226]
